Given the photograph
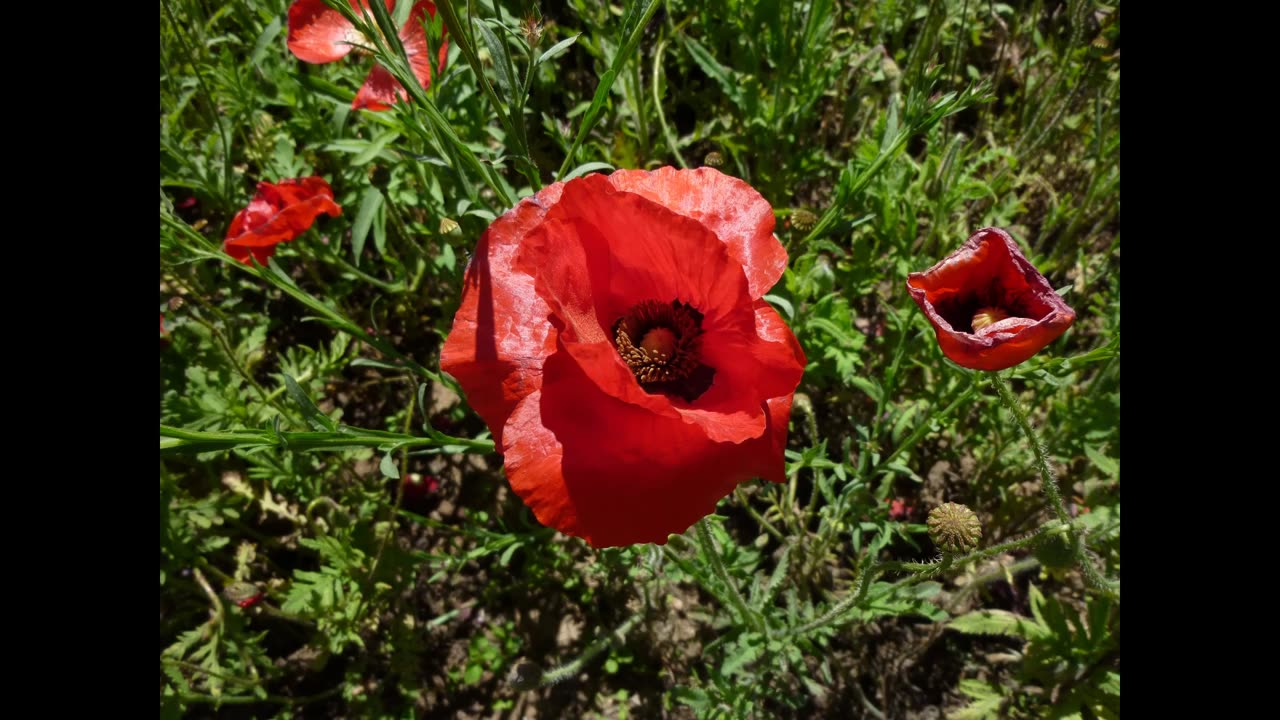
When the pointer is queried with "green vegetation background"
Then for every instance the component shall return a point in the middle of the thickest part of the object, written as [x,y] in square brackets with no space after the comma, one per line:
[415,584]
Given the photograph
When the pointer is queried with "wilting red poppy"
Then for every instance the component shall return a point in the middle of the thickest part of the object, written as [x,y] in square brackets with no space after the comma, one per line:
[278,213]
[989,306]
[319,34]
[613,336]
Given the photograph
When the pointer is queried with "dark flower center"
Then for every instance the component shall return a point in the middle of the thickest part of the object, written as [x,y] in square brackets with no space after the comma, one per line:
[974,310]
[660,342]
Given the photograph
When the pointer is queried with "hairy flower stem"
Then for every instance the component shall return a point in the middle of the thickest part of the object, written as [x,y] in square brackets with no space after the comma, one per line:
[836,616]
[179,440]
[573,667]
[865,578]
[717,566]
[1049,480]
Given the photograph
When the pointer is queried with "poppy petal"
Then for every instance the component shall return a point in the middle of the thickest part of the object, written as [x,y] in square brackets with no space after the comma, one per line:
[494,350]
[379,92]
[278,213]
[591,451]
[729,207]
[319,34]
[610,472]
[600,252]
[989,270]
[414,38]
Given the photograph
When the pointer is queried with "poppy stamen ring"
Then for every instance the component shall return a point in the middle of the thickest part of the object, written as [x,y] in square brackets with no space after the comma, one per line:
[659,341]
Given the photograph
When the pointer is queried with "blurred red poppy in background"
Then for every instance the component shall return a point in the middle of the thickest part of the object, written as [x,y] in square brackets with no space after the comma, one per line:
[278,213]
[319,34]
[989,306]
[613,337]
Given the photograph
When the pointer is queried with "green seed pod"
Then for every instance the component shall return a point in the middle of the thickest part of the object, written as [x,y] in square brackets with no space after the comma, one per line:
[954,528]
[803,220]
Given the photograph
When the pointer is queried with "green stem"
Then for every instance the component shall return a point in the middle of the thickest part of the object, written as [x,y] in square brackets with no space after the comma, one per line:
[669,136]
[573,667]
[745,502]
[1049,480]
[252,699]
[869,571]
[180,440]
[717,566]
[511,118]
[334,259]
[1047,475]
[922,571]
[201,246]
[918,434]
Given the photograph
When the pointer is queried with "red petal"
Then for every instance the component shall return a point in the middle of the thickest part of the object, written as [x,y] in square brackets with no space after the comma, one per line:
[729,207]
[278,213]
[381,90]
[989,269]
[600,252]
[319,34]
[414,37]
[610,472]
[501,334]
[768,451]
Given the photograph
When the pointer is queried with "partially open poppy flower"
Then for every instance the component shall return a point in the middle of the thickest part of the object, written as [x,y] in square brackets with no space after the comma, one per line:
[278,213]
[989,306]
[319,34]
[613,337]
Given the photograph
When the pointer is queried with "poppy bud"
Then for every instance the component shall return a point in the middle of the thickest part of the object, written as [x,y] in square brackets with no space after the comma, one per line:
[954,528]
[803,220]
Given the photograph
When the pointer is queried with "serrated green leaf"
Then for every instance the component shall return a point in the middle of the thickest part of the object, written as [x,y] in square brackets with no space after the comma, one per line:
[986,702]
[1109,466]
[868,386]
[695,698]
[998,622]
[744,654]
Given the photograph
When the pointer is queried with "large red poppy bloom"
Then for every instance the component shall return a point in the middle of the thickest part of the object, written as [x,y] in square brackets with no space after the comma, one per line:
[319,34]
[989,306]
[278,213]
[613,336]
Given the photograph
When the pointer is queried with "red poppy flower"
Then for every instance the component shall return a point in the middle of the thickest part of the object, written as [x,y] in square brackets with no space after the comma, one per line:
[613,336]
[899,509]
[319,34]
[278,213]
[989,306]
